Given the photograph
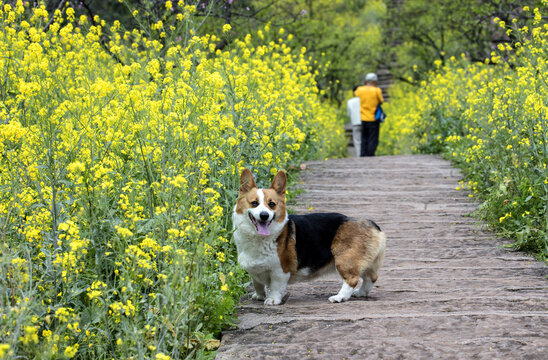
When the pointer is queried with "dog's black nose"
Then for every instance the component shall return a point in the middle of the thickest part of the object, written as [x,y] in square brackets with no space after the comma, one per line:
[264,215]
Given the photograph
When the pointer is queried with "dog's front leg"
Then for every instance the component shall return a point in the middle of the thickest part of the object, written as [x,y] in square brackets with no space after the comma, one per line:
[278,284]
[259,287]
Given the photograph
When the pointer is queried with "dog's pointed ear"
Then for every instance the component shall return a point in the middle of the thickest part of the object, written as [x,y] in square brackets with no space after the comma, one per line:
[246,182]
[279,182]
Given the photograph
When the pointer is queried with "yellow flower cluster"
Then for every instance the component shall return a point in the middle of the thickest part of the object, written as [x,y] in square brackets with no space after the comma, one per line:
[396,134]
[491,119]
[119,162]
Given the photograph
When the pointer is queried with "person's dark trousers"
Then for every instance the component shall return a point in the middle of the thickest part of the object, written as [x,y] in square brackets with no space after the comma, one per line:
[370,138]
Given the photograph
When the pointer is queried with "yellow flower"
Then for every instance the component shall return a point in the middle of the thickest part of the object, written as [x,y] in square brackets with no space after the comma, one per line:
[71,351]
[63,314]
[4,350]
[506,216]
[30,337]
[123,232]
[76,167]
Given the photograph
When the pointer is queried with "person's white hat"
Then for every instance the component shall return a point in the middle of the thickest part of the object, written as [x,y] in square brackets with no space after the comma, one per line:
[371,77]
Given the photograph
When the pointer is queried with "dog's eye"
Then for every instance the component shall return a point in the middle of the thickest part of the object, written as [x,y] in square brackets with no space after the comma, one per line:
[254,203]
[271,204]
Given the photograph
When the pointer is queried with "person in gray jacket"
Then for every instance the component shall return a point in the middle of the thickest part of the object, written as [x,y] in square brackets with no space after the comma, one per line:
[353,112]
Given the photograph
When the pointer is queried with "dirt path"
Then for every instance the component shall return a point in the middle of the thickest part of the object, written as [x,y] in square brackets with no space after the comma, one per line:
[447,289]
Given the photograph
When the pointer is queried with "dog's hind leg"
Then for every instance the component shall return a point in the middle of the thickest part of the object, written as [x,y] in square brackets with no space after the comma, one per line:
[349,272]
[369,278]
[349,269]
[344,293]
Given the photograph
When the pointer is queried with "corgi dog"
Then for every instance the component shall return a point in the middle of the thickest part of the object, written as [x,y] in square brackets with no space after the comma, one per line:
[276,248]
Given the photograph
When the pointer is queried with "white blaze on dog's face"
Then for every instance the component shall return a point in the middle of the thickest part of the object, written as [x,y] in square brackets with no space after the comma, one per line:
[264,208]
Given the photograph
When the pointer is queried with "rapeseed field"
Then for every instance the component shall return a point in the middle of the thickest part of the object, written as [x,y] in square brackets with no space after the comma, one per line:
[119,161]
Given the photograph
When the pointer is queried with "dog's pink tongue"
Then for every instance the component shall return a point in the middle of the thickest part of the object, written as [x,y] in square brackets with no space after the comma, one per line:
[262,229]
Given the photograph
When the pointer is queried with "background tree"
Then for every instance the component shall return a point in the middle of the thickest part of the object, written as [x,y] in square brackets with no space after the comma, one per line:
[421,32]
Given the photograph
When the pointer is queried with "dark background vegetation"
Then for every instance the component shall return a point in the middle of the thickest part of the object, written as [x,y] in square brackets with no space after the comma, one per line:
[344,38]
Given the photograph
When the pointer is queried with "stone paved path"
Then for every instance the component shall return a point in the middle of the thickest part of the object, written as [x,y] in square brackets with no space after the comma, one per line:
[448,290]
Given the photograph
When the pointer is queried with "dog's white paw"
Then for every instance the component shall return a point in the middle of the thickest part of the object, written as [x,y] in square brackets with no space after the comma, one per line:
[337,299]
[257,297]
[272,301]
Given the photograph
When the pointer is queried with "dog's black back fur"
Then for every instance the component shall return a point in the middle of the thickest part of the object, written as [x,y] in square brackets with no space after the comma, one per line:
[314,235]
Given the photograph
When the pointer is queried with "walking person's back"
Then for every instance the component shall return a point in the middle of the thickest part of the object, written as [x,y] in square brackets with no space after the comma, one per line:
[370,97]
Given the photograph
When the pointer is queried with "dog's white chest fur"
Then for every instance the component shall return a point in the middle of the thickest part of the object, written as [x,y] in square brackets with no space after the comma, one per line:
[258,257]
[257,254]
